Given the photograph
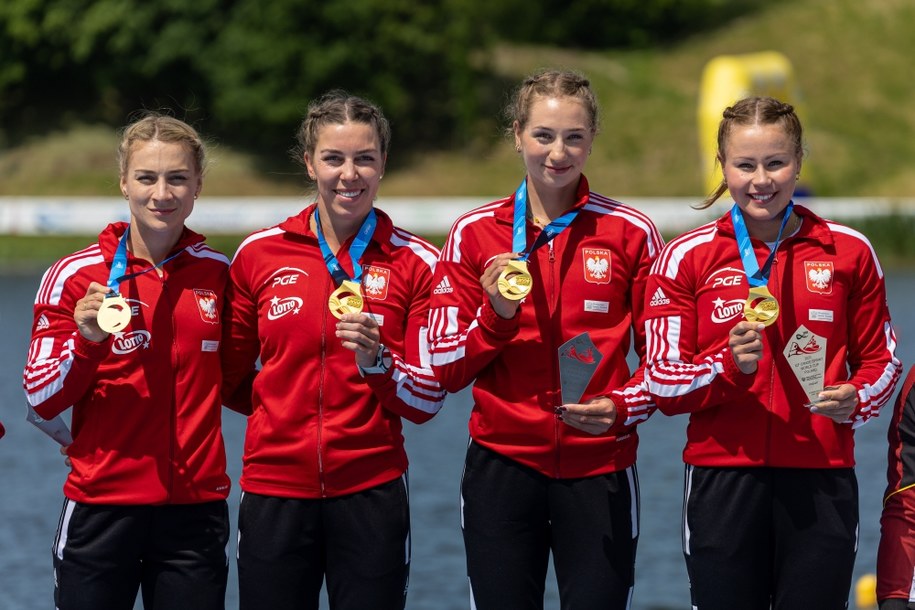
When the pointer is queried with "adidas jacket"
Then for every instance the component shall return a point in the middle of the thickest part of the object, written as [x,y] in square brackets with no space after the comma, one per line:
[590,278]
[830,288]
[146,408]
[319,429]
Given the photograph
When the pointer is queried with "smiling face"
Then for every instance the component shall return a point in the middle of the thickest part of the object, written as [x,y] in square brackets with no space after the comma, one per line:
[347,165]
[160,182]
[555,142]
[760,167]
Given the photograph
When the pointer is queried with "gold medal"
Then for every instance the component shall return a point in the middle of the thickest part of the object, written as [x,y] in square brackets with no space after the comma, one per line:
[346,299]
[515,281]
[114,314]
[761,306]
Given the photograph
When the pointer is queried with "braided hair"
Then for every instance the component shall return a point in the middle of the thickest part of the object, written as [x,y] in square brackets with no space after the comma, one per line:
[337,107]
[755,111]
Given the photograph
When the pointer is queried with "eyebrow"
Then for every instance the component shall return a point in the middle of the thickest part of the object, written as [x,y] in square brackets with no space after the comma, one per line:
[324,151]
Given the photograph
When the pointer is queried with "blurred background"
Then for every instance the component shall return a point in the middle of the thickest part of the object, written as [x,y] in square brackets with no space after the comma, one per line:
[243,71]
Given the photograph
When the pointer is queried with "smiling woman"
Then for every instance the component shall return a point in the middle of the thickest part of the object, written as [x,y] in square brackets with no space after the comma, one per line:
[324,478]
[127,332]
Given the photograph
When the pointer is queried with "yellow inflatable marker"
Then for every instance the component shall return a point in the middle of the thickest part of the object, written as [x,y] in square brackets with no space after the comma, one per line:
[866,592]
[728,78]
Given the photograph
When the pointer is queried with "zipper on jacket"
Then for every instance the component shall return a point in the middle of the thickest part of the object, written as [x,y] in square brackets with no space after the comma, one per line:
[557,424]
[173,415]
[320,436]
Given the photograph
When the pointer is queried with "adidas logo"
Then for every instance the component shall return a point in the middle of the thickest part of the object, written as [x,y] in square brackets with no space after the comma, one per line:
[42,323]
[444,287]
[659,298]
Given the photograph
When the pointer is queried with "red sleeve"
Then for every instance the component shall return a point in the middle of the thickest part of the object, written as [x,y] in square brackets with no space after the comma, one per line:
[679,378]
[240,344]
[465,332]
[410,388]
[61,364]
[872,361]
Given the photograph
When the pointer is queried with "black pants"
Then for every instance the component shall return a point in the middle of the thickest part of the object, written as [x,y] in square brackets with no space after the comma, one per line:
[513,517]
[756,538]
[360,542]
[177,553]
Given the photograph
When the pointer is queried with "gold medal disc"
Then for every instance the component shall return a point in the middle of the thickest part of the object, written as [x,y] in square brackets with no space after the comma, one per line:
[114,314]
[345,299]
[515,281]
[761,306]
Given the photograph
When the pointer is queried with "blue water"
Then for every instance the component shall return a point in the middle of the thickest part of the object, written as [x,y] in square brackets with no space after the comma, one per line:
[32,474]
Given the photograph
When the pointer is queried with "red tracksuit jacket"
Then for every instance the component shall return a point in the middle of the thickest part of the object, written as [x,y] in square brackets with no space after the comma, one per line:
[317,428]
[828,283]
[146,405]
[590,278]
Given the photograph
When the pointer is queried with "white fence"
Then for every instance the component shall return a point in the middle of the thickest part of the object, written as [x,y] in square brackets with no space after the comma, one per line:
[422,215]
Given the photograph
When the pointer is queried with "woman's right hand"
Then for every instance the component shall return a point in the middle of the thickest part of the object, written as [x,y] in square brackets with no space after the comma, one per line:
[505,308]
[63,452]
[86,312]
[746,343]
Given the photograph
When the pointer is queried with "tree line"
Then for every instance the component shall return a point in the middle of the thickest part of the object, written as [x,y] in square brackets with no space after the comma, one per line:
[244,70]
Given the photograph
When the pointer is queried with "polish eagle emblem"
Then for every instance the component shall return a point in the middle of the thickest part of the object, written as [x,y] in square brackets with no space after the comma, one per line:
[819,276]
[206,305]
[596,265]
[376,282]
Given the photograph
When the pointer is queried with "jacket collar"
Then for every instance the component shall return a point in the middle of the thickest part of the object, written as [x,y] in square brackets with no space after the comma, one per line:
[812,227]
[111,235]
[506,213]
[299,225]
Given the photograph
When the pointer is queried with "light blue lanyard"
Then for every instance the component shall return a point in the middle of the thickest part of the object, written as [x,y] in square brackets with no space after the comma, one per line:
[119,265]
[519,225]
[356,249]
[755,275]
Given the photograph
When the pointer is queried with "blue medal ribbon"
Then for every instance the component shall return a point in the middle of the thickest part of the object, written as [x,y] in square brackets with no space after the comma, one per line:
[755,275]
[356,249]
[519,225]
[119,265]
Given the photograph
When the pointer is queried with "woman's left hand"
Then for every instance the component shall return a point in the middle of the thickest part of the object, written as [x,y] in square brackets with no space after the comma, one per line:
[836,402]
[360,333]
[594,417]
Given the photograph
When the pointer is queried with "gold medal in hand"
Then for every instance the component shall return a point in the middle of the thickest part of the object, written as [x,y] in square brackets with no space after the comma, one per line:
[761,306]
[114,314]
[346,299]
[515,281]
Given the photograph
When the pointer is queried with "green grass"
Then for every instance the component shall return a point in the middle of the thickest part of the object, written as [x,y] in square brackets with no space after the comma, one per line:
[852,61]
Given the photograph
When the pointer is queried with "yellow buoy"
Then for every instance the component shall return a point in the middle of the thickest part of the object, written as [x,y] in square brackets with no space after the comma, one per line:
[866,592]
[728,78]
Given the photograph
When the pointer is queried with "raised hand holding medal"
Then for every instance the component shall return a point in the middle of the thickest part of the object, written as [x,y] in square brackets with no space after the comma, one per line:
[761,306]
[114,313]
[515,281]
[347,298]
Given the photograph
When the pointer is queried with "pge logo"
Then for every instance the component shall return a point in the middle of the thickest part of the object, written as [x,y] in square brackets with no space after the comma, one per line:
[285,276]
[726,278]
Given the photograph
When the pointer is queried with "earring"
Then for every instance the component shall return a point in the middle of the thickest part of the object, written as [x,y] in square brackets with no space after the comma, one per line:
[517,148]
[797,176]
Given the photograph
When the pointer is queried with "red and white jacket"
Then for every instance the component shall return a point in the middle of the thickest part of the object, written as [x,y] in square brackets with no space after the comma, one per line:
[896,553]
[830,289]
[590,278]
[146,404]
[318,428]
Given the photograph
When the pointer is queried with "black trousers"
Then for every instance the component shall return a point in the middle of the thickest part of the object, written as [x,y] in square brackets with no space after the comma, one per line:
[176,553]
[756,538]
[359,542]
[513,517]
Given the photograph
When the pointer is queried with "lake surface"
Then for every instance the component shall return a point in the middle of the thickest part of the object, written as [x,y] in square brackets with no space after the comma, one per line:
[32,474]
